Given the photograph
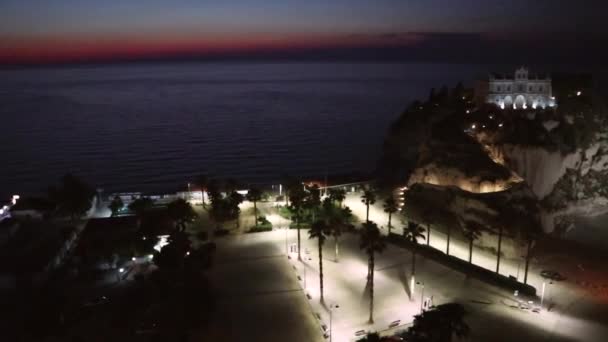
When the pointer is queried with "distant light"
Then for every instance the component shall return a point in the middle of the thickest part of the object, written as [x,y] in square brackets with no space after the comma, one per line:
[491,116]
[121,270]
[483,126]
[188,253]
[473,126]
[150,256]
[468,111]
[502,105]
[133,259]
[143,238]
[578,93]
[14,199]
[463,97]
[500,124]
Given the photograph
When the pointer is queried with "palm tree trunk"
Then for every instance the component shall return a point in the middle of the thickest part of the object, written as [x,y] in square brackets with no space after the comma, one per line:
[367,213]
[389,223]
[428,234]
[203,195]
[527,261]
[498,251]
[447,251]
[321,269]
[255,213]
[413,260]
[337,251]
[470,251]
[371,288]
[298,228]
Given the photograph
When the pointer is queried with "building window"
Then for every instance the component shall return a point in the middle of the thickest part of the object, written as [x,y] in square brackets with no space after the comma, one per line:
[509,88]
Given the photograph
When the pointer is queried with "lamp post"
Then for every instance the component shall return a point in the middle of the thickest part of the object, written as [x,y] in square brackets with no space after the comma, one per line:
[421,294]
[189,193]
[331,306]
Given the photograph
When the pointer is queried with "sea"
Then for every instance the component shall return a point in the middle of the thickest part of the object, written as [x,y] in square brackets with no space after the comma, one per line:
[155,127]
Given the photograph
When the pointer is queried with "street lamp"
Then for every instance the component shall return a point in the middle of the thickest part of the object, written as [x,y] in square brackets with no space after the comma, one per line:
[421,283]
[331,306]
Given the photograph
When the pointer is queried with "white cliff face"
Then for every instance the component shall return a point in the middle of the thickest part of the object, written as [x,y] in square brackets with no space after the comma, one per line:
[540,168]
[432,174]
[570,183]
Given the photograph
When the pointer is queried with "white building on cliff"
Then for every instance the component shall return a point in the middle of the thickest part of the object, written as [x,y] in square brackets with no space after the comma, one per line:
[518,91]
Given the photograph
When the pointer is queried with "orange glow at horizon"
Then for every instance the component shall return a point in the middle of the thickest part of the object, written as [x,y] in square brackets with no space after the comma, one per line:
[32,50]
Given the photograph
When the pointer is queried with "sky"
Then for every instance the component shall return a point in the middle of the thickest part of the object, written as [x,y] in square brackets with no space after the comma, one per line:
[41,31]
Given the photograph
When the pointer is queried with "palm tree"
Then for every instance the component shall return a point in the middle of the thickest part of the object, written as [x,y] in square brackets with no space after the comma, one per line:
[297,198]
[412,232]
[449,234]
[181,212]
[500,229]
[339,223]
[234,200]
[254,195]
[390,207]
[368,198]
[472,231]
[203,182]
[116,205]
[313,200]
[372,243]
[337,195]
[530,237]
[440,324]
[320,231]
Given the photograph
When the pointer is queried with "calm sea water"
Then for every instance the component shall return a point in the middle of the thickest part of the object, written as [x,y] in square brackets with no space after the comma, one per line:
[153,127]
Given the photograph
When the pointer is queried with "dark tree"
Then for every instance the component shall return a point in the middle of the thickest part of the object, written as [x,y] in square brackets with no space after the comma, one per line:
[73,197]
[319,230]
[254,195]
[390,207]
[439,324]
[413,232]
[140,206]
[368,198]
[203,182]
[116,205]
[372,243]
[337,195]
[297,198]
[313,200]
[181,212]
[472,231]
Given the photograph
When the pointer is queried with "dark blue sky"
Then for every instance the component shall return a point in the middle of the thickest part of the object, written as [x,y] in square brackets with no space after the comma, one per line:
[55,30]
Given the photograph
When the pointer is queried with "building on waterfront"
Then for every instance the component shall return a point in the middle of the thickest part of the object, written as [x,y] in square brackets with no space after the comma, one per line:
[520,90]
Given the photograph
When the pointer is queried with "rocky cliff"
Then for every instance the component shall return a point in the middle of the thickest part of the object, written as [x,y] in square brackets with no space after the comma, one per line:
[557,159]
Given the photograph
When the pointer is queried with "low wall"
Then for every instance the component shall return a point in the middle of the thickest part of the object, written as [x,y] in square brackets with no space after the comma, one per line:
[463,266]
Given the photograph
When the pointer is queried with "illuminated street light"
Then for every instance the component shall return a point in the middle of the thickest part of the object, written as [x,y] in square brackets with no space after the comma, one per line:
[121,270]
[133,259]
